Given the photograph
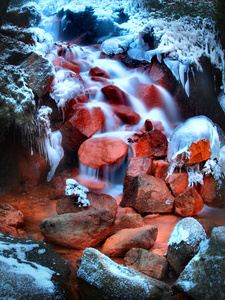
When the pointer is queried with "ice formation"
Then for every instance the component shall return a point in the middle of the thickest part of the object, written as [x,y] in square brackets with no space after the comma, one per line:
[74,189]
[193,130]
[51,146]
[65,87]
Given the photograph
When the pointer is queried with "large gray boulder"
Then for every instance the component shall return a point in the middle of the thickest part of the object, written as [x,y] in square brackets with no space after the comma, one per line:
[32,270]
[184,243]
[100,278]
[204,276]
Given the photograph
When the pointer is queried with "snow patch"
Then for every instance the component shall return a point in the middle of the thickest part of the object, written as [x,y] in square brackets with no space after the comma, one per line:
[188,230]
[15,261]
[73,188]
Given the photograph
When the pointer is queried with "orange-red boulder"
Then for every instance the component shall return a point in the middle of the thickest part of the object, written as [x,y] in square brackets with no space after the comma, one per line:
[96,71]
[212,193]
[200,151]
[189,203]
[126,114]
[70,66]
[97,201]
[159,169]
[129,221]
[79,230]
[115,95]
[147,262]
[150,95]
[81,126]
[98,152]
[126,239]
[147,194]
[152,144]
[137,166]
[178,183]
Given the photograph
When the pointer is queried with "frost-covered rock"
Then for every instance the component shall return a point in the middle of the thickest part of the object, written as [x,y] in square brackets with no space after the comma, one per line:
[77,192]
[39,73]
[203,278]
[17,105]
[101,278]
[32,269]
[27,15]
[117,45]
[184,243]
[179,148]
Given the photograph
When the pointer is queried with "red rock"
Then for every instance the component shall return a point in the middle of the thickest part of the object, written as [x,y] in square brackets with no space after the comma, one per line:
[178,183]
[115,95]
[159,169]
[212,194]
[200,151]
[9,216]
[147,262]
[137,166]
[148,125]
[97,201]
[126,239]
[125,210]
[57,61]
[150,95]
[33,168]
[81,126]
[147,194]
[98,152]
[70,66]
[79,230]
[129,221]
[189,203]
[152,144]
[103,80]
[82,98]
[126,114]
[162,77]
[98,72]
[93,184]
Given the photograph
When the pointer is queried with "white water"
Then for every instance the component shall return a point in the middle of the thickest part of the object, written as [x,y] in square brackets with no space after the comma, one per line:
[67,86]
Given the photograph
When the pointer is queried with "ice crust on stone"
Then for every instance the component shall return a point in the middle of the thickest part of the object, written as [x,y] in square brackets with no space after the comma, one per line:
[188,230]
[73,188]
[191,131]
[16,262]
[90,272]
[65,88]
[51,141]
[117,45]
